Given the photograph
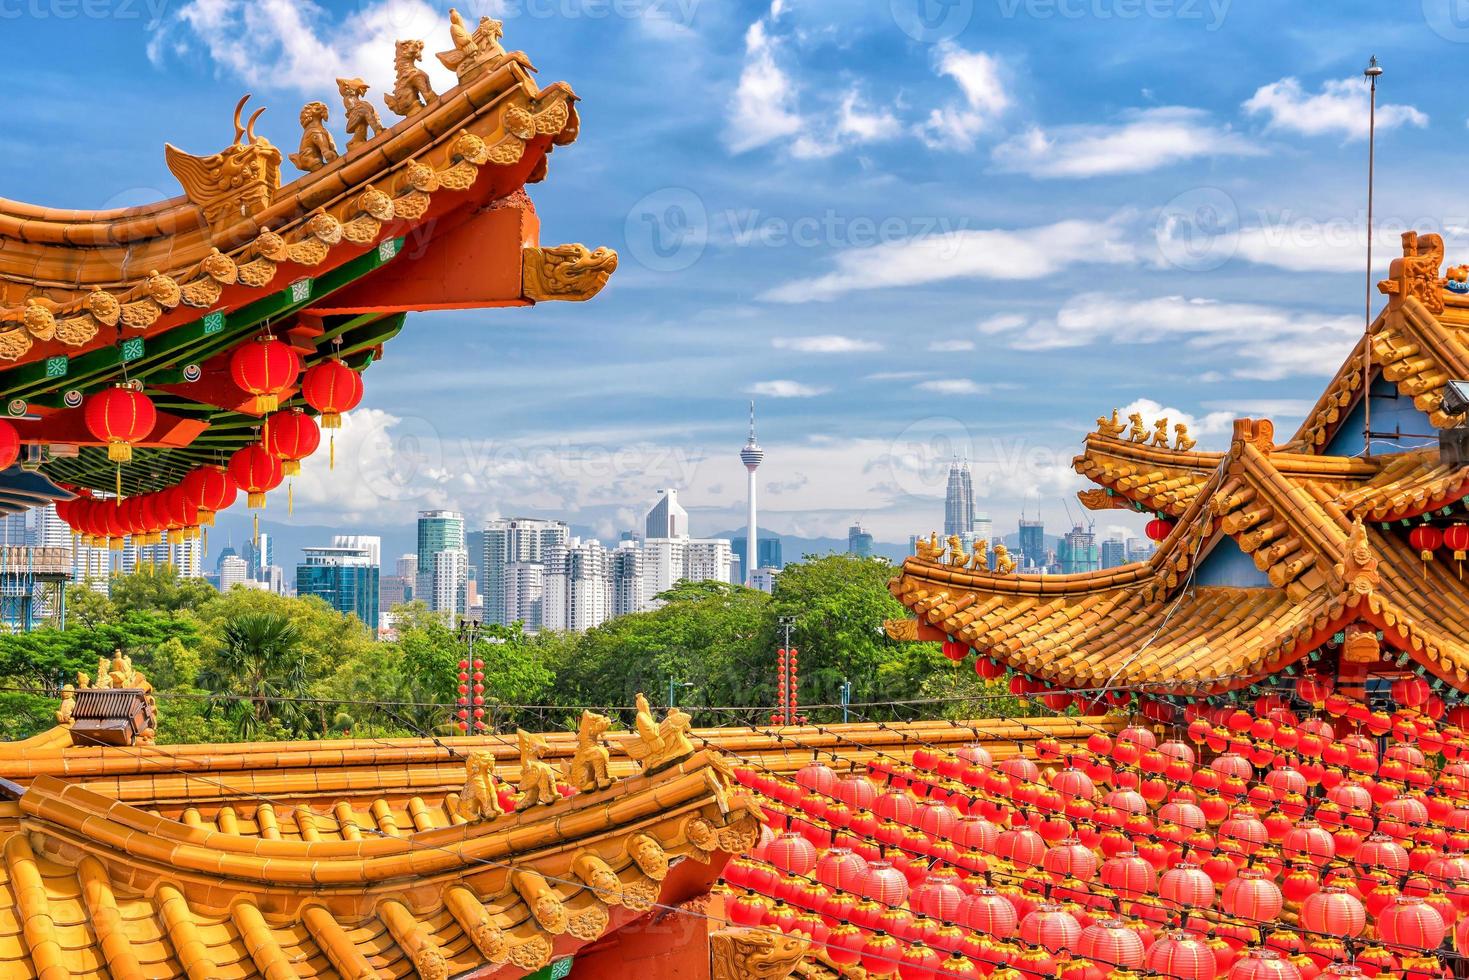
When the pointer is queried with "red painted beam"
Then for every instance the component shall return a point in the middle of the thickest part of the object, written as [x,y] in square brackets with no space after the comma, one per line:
[473,265]
[69,427]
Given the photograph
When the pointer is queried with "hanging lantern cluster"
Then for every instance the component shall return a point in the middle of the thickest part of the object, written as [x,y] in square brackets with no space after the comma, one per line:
[471,692]
[1297,847]
[1428,539]
[144,518]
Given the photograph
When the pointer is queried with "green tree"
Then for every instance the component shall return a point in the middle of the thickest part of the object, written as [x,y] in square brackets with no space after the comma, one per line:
[86,607]
[159,588]
[266,668]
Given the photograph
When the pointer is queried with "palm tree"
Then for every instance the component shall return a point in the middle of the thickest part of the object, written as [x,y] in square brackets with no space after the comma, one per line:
[261,664]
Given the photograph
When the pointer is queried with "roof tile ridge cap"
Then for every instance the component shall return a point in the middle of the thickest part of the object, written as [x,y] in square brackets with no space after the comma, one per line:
[1165,456]
[1278,490]
[1437,340]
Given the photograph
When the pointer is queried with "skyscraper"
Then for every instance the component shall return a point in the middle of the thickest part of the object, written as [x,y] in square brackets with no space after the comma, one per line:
[518,540]
[667,519]
[438,531]
[345,575]
[859,541]
[1033,543]
[1078,551]
[959,500]
[1114,553]
[752,456]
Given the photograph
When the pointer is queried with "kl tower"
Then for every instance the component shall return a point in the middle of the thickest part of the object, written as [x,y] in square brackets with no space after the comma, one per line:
[752,455]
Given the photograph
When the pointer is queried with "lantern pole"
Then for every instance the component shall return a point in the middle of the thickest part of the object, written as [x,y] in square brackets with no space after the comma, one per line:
[1371,73]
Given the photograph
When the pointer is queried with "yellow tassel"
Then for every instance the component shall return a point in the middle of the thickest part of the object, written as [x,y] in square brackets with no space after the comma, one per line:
[203,540]
[257,530]
[332,452]
[291,498]
[119,485]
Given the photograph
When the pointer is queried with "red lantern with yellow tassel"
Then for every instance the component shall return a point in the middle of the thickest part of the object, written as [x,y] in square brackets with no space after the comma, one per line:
[265,368]
[292,435]
[210,489]
[121,416]
[331,388]
[1427,539]
[257,471]
[1456,538]
[1159,528]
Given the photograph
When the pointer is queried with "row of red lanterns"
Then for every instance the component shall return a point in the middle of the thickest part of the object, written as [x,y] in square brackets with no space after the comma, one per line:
[1238,898]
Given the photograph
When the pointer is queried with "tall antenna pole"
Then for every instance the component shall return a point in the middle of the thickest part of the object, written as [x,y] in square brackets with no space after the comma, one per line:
[1372,73]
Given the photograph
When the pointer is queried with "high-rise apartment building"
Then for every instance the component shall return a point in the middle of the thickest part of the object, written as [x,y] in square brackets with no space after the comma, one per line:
[859,541]
[578,586]
[233,571]
[441,583]
[1114,553]
[525,592]
[626,573]
[518,540]
[1077,551]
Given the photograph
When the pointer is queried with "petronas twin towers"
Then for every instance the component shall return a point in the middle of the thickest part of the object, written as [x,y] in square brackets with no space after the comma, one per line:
[959,500]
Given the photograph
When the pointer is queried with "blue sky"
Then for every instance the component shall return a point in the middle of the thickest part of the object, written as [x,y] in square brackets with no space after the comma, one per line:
[907,228]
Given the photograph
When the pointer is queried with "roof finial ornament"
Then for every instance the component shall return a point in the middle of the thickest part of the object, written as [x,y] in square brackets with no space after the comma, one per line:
[473,52]
[1358,566]
[412,90]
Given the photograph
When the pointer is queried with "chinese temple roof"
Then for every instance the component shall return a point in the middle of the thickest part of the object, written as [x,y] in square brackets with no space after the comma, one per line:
[329,262]
[356,858]
[1269,550]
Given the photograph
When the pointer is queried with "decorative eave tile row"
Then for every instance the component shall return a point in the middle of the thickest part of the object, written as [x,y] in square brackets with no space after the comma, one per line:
[1409,484]
[97,888]
[1161,480]
[392,183]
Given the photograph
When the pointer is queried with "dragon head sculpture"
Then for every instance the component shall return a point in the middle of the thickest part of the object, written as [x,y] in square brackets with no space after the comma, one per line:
[237,182]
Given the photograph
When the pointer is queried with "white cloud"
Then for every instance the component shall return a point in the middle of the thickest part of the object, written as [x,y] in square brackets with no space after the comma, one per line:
[763,108]
[766,105]
[950,346]
[785,389]
[1144,140]
[986,98]
[1283,342]
[953,386]
[1003,254]
[1340,108]
[1299,243]
[826,344]
[287,45]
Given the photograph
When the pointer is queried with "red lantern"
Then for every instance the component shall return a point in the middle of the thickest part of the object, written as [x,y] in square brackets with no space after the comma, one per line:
[1112,943]
[1411,926]
[293,437]
[1456,537]
[331,388]
[1159,528]
[121,416]
[1427,539]
[1264,964]
[257,471]
[211,490]
[1182,955]
[1334,911]
[9,445]
[265,368]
